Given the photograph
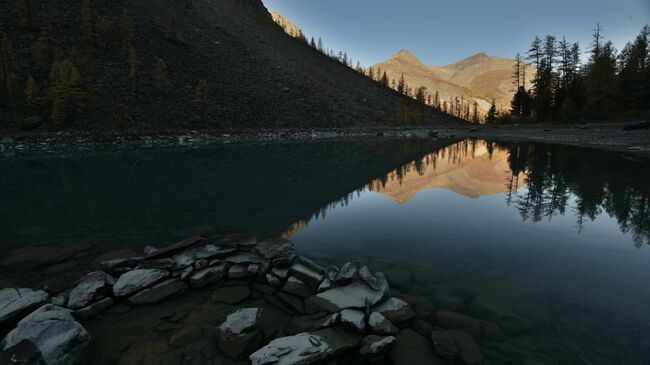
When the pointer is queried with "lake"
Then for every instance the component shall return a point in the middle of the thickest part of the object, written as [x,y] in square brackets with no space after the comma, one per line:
[559,235]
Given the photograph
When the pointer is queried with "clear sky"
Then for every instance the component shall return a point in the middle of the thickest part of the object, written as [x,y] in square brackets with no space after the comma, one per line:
[443,31]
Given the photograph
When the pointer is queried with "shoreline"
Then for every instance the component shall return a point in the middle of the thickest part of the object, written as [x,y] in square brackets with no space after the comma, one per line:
[609,137]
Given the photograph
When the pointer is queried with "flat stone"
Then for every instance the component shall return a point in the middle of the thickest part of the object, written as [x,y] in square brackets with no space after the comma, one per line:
[186,273]
[15,303]
[450,302]
[293,302]
[201,264]
[208,276]
[381,325]
[245,258]
[209,252]
[231,294]
[184,259]
[422,327]
[53,331]
[149,250]
[281,273]
[376,281]
[330,320]
[310,264]
[241,321]
[492,332]
[254,269]
[274,248]
[325,285]
[399,277]
[94,309]
[297,287]
[376,346]
[354,320]
[162,264]
[444,344]
[355,295]
[273,280]
[238,272]
[237,347]
[136,280]
[347,273]
[159,292]
[181,245]
[120,265]
[300,324]
[413,349]
[241,240]
[305,348]
[331,271]
[453,320]
[311,277]
[94,286]
[395,309]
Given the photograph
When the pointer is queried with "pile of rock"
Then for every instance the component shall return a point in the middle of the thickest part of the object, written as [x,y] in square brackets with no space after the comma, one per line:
[333,309]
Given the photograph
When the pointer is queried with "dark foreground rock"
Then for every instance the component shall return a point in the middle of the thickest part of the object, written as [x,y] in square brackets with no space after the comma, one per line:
[15,303]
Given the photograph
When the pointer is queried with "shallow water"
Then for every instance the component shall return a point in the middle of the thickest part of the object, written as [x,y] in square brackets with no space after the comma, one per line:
[558,234]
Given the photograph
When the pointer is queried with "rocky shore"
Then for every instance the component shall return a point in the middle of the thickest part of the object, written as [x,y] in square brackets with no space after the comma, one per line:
[281,309]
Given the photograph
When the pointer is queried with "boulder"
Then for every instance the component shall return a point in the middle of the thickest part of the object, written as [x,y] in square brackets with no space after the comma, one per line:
[238,240]
[354,320]
[207,276]
[376,281]
[239,335]
[376,346]
[159,292]
[274,248]
[325,285]
[381,325]
[23,353]
[136,280]
[53,331]
[238,272]
[184,259]
[201,264]
[310,264]
[331,272]
[413,349]
[94,309]
[245,258]
[94,286]
[308,275]
[356,295]
[209,252]
[453,320]
[444,344]
[346,273]
[489,310]
[395,310]
[305,348]
[16,303]
[166,251]
[297,287]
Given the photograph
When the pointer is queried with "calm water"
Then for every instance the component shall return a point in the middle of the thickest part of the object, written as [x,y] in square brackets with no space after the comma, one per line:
[559,234]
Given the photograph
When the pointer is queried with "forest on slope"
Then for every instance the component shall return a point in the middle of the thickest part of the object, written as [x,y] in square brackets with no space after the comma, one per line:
[179,64]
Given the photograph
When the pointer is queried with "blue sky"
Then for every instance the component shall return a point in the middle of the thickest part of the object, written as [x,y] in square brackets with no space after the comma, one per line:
[443,31]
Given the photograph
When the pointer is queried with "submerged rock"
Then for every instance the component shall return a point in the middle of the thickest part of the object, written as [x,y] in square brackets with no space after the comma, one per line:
[487,309]
[159,292]
[15,303]
[468,350]
[231,294]
[23,353]
[94,286]
[413,349]
[381,325]
[444,344]
[346,273]
[376,346]
[53,331]
[209,252]
[241,321]
[136,280]
[453,320]
[395,309]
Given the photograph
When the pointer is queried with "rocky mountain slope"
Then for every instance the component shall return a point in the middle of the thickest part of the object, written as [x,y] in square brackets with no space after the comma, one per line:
[479,78]
[226,65]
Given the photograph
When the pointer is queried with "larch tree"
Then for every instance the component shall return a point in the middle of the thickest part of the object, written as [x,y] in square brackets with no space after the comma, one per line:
[65,91]
[31,88]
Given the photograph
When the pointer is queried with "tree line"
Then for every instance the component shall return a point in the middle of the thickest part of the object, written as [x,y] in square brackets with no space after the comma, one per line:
[566,88]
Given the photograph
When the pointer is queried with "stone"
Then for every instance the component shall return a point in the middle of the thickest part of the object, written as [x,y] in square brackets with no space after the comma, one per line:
[325,285]
[422,327]
[468,350]
[184,259]
[310,264]
[377,281]
[238,272]
[347,273]
[300,324]
[186,273]
[468,295]
[297,287]
[450,302]
[489,310]
[120,265]
[187,336]
[444,344]
[53,331]
[281,273]
[60,300]
[273,280]
[159,292]
[245,258]
[395,310]
[241,321]
[376,346]
[149,250]
[22,353]
[492,332]
[295,303]
[381,325]
[354,320]
[238,335]
[274,248]
[330,320]
[175,247]
[240,240]
[136,280]
[210,252]
[413,349]
[208,276]
[305,348]
[16,303]
[94,286]
[453,320]
[254,269]
[399,277]
[201,264]
[264,288]
[331,271]
[311,277]
[355,295]
[162,264]
[231,294]
[94,309]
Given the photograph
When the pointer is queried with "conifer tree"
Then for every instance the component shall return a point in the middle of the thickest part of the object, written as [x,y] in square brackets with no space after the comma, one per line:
[161,77]
[384,79]
[30,90]
[401,85]
[492,114]
[436,100]
[320,45]
[421,95]
[475,116]
[65,90]
[312,43]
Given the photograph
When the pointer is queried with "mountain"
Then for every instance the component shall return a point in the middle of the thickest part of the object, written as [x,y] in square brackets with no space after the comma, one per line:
[153,64]
[286,24]
[479,78]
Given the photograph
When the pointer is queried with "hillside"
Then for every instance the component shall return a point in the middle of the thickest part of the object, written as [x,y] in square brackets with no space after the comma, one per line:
[479,78]
[147,71]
